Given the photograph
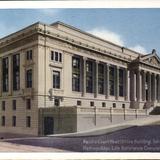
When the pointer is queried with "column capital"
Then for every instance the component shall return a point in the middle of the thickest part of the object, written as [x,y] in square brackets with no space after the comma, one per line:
[107,64]
[117,66]
[85,58]
[144,71]
[97,61]
[154,74]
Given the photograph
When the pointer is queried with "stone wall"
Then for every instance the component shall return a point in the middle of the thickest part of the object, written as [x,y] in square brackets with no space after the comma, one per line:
[75,119]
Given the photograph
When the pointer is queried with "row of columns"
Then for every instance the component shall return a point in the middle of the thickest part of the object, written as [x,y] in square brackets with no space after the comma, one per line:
[143,83]
[139,86]
[106,80]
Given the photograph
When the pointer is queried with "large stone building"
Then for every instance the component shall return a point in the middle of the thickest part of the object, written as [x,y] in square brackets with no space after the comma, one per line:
[56,78]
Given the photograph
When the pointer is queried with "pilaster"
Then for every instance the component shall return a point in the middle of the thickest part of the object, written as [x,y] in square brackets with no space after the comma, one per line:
[126,84]
[84,76]
[144,86]
[117,82]
[96,79]
[107,81]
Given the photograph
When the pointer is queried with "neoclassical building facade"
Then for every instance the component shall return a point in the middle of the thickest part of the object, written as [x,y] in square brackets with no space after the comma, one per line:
[56,78]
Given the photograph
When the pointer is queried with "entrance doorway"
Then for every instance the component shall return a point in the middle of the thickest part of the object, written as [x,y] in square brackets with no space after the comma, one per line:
[146,94]
[48,125]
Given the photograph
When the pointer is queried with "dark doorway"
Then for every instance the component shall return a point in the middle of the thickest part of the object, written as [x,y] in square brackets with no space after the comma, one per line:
[146,94]
[48,125]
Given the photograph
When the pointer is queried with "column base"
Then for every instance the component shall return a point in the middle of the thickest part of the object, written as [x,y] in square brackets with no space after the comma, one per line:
[134,105]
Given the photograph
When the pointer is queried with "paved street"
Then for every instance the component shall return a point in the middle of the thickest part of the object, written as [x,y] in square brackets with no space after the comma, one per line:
[135,139]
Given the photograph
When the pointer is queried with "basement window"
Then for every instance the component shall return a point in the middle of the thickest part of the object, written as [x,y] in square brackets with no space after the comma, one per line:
[114,105]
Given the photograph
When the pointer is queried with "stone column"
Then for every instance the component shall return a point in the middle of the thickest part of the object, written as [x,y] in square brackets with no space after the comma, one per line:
[144,86]
[126,84]
[138,85]
[149,87]
[117,82]
[84,76]
[132,86]
[154,87]
[1,77]
[107,81]
[158,88]
[96,79]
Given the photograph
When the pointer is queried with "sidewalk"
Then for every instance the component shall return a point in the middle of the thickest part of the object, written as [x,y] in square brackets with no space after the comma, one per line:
[10,147]
[112,128]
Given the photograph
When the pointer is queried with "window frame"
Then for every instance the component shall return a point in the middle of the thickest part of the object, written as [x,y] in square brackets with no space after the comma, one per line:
[5,74]
[3,120]
[14,104]
[112,80]
[28,101]
[121,82]
[56,78]
[76,74]
[14,121]
[3,105]
[56,56]
[89,76]
[29,78]
[28,121]
[101,78]
[16,71]
[29,55]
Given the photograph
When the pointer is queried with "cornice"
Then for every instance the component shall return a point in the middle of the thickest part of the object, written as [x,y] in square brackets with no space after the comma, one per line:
[80,44]
[41,29]
[17,37]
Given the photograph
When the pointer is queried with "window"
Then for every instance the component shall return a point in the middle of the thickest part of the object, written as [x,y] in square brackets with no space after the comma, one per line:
[14,104]
[3,106]
[56,79]
[114,105]
[79,103]
[29,78]
[112,80]
[91,103]
[60,57]
[56,102]
[28,103]
[75,74]
[14,121]
[56,56]
[103,104]
[29,55]
[52,55]
[100,78]
[89,77]
[16,72]
[28,121]
[123,105]
[121,82]
[5,74]
[3,121]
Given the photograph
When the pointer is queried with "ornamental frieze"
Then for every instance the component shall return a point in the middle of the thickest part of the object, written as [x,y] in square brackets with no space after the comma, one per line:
[86,51]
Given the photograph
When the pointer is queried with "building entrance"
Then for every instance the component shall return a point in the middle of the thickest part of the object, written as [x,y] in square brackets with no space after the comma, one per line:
[48,125]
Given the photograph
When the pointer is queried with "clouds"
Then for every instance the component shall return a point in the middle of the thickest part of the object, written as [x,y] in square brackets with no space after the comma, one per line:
[107,35]
[115,38]
[139,48]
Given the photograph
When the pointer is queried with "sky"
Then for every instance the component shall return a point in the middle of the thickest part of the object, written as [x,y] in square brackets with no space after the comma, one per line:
[137,29]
